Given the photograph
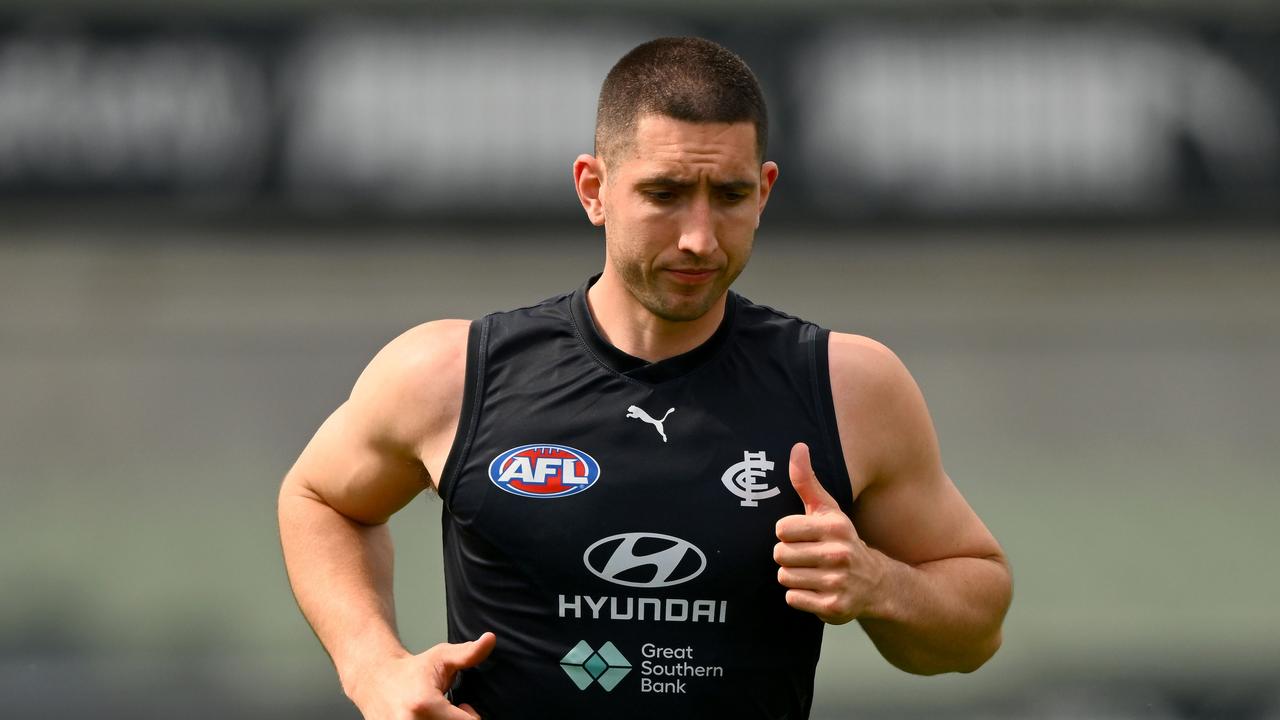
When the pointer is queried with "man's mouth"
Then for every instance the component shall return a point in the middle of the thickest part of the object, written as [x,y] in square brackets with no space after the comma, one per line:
[692,276]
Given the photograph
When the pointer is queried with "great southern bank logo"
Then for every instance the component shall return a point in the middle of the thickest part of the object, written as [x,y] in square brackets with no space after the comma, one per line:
[544,471]
[644,560]
[606,666]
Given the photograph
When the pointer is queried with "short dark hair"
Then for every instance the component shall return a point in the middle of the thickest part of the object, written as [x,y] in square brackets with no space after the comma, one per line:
[684,78]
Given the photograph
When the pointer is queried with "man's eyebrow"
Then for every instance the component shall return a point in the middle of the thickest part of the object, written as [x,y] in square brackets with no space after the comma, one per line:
[735,185]
[674,182]
[665,181]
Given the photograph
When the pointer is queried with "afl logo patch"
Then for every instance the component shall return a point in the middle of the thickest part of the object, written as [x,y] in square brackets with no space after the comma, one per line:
[544,471]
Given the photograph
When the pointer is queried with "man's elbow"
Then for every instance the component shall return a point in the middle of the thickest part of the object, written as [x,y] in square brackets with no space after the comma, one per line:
[962,639]
[980,654]
[953,659]
[982,647]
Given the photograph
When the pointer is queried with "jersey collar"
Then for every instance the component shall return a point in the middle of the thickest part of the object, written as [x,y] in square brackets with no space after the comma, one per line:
[639,368]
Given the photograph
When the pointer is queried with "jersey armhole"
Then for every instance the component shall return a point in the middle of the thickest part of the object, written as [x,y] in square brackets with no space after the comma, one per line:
[820,373]
[472,389]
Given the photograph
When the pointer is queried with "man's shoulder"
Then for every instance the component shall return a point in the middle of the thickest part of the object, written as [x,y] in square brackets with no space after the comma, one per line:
[863,355]
[554,302]
[555,311]
[754,312]
[429,347]
[424,367]
[853,352]
[879,408]
[867,371]
[410,395]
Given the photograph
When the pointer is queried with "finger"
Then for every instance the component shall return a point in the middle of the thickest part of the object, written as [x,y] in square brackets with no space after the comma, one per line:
[798,528]
[807,600]
[822,580]
[792,554]
[457,656]
[461,712]
[815,497]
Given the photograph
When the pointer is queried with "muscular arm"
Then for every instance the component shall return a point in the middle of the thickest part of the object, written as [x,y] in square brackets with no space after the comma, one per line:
[377,451]
[945,585]
[915,566]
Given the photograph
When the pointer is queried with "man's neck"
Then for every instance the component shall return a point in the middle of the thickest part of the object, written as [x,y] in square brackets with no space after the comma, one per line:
[633,329]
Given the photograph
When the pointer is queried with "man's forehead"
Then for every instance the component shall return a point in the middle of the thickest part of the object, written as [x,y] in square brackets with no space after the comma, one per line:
[660,131]
[657,134]
[663,146]
[650,122]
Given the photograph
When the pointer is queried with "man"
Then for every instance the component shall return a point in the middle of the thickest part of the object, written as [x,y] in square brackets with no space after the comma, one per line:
[655,492]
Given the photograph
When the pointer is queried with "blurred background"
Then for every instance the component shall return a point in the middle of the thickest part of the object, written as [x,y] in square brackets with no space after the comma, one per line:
[1062,214]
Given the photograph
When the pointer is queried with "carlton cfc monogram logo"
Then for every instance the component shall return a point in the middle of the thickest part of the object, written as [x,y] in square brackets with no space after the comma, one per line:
[544,471]
[741,478]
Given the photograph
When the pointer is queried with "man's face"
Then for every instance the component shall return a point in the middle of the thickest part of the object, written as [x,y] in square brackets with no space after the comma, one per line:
[680,206]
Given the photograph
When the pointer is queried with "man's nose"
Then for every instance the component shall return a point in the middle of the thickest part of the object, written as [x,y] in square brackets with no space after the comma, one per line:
[698,230]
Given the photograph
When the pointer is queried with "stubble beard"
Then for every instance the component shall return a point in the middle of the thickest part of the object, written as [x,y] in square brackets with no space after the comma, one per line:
[671,305]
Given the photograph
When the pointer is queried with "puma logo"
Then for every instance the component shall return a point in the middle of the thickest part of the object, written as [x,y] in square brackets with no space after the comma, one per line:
[637,413]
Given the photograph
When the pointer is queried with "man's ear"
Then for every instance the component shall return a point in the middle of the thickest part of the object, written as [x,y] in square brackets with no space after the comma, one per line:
[768,176]
[588,178]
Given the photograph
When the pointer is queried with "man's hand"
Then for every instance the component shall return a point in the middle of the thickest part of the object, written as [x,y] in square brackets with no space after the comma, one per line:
[829,570]
[414,686]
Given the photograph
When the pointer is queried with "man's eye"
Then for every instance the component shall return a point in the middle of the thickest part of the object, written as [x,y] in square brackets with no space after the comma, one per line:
[734,197]
[660,195]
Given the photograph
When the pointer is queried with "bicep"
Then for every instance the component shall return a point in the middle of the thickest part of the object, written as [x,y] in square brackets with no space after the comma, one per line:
[921,519]
[907,507]
[349,468]
[371,456]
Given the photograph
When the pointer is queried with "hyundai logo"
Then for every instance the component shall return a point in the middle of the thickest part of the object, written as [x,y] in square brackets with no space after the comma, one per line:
[644,560]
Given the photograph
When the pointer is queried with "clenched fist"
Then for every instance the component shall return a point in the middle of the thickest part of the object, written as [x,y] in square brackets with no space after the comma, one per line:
[829,571]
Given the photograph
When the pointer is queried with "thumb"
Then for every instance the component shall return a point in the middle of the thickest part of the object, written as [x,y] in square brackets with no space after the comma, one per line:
[815,497]
[458,656]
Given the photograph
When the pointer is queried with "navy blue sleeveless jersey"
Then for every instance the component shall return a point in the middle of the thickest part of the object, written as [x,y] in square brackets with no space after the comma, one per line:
[612,520]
